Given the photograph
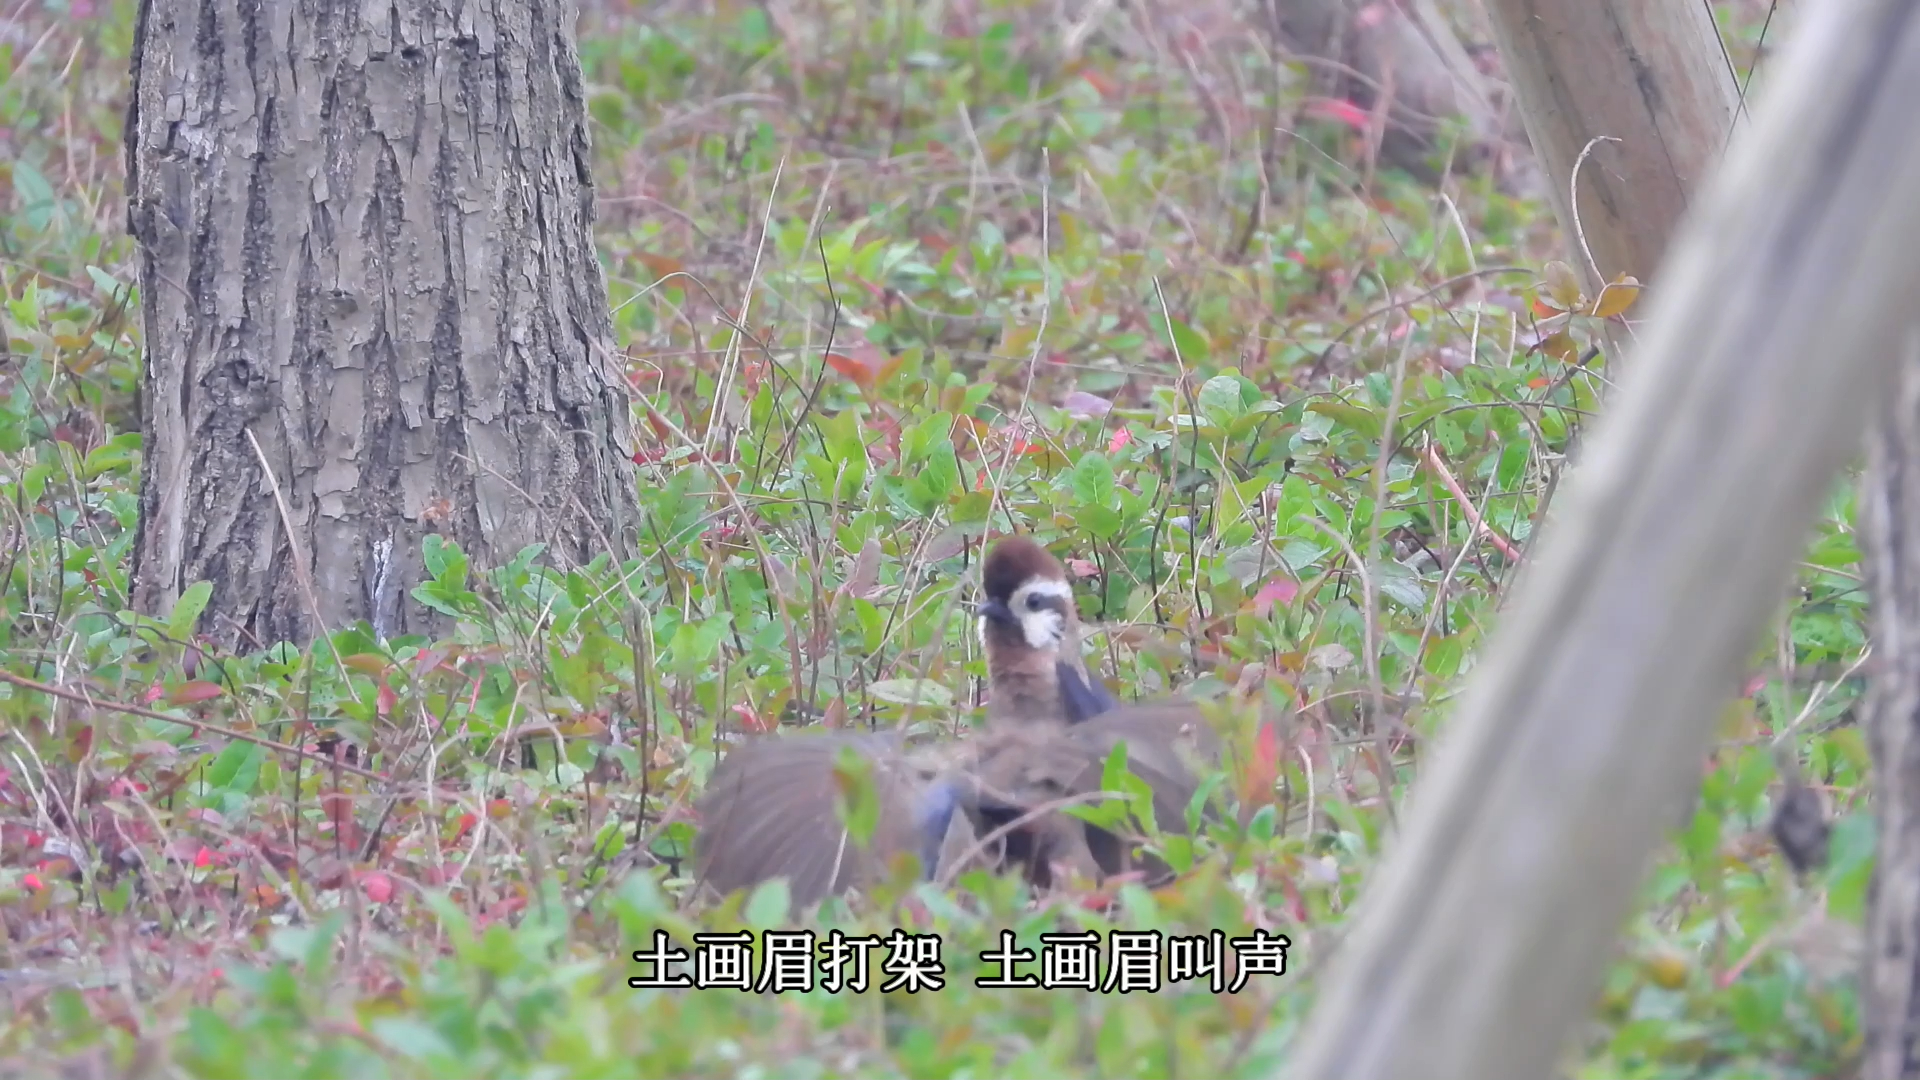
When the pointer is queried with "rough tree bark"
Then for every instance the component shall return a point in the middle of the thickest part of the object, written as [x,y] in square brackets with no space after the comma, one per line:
[1481,942]
[1407,54]
[1890,528]
[1651,76]
[364,234]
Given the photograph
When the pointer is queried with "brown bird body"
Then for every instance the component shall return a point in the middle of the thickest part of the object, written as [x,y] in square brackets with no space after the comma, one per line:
[1016,773]
[772,809]
[772,806]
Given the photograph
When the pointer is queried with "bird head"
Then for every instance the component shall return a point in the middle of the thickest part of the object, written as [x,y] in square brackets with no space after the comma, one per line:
[1028,604]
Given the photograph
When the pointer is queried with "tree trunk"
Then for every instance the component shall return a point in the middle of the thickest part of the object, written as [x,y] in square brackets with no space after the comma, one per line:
[1649,75]
[1483,937]
[1408,55]
[371,302]
[1890,527]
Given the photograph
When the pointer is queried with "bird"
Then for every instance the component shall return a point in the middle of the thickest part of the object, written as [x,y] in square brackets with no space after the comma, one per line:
[773,806]
[1031,635]
[1030,775]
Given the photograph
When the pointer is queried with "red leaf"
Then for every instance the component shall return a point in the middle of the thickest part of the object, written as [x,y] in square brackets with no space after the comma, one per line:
[1266,748]
[751,719]
[125,787]
[1120,439]
[202,858]
[196,691]
[1339,110]
[427,660]
[661,265]
[385,700]
[866,364]
[81,743]
[377,886]
[152,694]
[32,881]
[1105,84]
[848,366]
[1281,590]
[1082,568]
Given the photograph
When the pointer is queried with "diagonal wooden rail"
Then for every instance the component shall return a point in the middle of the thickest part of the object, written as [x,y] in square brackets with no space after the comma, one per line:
[1482,940]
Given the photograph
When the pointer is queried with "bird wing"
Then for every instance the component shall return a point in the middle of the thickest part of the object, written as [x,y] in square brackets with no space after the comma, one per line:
[1082,696]
[1168,745]
[1017,769]
[771,809]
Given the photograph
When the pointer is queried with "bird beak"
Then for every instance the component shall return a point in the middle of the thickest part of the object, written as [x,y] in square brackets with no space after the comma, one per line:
[997,611]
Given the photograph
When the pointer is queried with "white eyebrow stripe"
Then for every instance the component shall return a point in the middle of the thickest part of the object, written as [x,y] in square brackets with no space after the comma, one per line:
[1059,590]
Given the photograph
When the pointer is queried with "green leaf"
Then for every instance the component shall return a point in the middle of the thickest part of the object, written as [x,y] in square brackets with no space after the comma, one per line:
[859,800]
[1444,656]
[1261,827]
[433,552]
[1380,388]
[33,194]
[187,609]
[434,595]
[1352,417]
[1093,480]
[912,691]
[107,282]
[1397,582]
[971,507]
[1117,776]
[767,908]
[227,767]
[1419,414]
[941,477]
[411,1038]
[1513,465]
[1103,522]
[1193,348]
[1220,400]
[922,438]
[1850,865]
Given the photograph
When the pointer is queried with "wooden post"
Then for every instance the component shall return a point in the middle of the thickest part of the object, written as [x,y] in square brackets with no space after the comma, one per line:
[1483,938]
[1648,73]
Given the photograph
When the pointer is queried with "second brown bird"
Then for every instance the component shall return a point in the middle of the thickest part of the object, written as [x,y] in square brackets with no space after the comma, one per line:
[772,807]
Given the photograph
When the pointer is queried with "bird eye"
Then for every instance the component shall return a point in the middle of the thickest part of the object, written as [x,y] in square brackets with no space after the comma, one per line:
[1033,602]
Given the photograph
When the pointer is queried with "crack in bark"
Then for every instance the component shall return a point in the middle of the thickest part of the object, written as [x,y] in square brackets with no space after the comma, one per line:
[381,224]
